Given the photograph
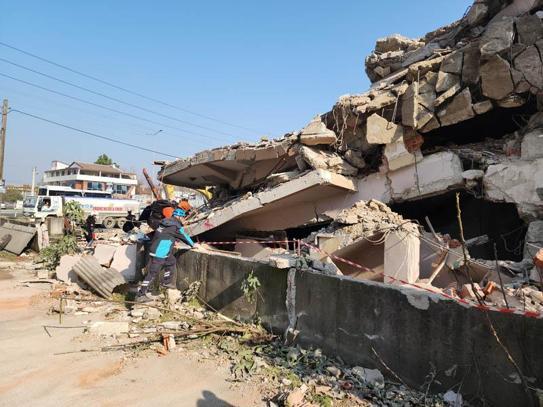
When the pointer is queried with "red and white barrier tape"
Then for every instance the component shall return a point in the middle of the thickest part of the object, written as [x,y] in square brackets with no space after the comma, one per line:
[482,307]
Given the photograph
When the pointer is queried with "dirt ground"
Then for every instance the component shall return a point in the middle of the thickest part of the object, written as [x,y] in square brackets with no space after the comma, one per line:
[36,369]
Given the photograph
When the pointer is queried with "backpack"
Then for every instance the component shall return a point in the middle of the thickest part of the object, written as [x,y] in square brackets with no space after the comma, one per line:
[153,213]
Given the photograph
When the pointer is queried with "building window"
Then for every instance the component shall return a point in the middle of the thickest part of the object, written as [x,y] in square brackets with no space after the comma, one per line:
[120,189]
[94,186]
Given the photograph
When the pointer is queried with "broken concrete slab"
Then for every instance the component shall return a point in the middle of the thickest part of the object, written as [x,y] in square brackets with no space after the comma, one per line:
[19,236]
[517,181]
[410,105]
[64,271]
[402,256]
[529,29]
[296,200]
[453,63]
[483,107]
[529,64]
[532,145]
[355,159]
[124,261]
[104,253]
[325,160]
[453,90]
[434,174]
[446,81]
[470,68]
[395,42]
[397,155]
[420,54]
[458,110]
[380,131]
[496,78]
[316,133]
[498,36]
[533,239]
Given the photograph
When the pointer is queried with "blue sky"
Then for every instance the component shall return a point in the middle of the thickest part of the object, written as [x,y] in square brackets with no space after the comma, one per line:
[267,66]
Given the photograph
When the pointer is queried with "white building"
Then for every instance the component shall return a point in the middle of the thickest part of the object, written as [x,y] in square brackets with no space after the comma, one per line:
[93,177]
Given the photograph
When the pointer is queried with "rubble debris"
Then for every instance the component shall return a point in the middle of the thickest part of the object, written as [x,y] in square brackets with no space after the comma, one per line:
[109,328]
[125,261]
[64,271]
[19,236]
[104,254]
[316,133]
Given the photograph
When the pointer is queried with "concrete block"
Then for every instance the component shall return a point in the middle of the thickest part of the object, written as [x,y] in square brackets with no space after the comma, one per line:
[496,78]
[64,270]
[381,131]
[533,240]
[517,181]
[402,256]
[529,63]
[483,107]
[453,63]
[124,261]
[109,328]
[446,81]
[436,173]
[316,133]
[410,105]
[532,145]
[104,253]
[498,36]
[397,155]
[458,110]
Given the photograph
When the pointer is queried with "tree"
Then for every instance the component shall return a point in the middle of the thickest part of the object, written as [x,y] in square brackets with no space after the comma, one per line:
[11,195]
[104,160]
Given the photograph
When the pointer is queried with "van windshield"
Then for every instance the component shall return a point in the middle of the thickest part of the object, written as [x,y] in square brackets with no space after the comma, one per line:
[29,202]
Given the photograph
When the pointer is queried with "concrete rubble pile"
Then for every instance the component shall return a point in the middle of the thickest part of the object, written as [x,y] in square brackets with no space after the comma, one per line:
[459,110]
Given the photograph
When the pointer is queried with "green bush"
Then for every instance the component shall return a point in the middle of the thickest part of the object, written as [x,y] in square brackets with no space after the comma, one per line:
[74,212]
[51,254]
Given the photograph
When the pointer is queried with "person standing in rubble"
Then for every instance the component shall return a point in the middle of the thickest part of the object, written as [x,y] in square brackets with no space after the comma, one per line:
[161,256]
[90,224]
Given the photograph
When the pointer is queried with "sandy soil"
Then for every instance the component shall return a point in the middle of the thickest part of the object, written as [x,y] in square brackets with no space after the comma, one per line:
[36,370]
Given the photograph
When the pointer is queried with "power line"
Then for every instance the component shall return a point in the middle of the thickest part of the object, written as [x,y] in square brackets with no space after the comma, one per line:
[112,98]
[92,134]
[128,90]
[107,108]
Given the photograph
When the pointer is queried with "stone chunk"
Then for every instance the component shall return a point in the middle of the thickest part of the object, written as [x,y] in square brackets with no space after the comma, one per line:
[397,155]
[446,81]
[529,63]
[394,42]
[108,328]
[470,68]
[453,63]
[483,107]
[370,376]
[447,95]
[319,159]
[65,271]
[532,145]
[533,239]
[458,110]
[316,133]
[104,253]
[497,37]
[124,261]
[381,131]
[529,28]
[496,78]
[410,105]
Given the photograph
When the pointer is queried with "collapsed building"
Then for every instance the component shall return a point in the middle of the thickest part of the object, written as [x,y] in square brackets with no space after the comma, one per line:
[370,187]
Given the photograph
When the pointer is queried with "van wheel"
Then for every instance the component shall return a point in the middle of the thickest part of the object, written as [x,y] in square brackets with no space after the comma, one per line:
[121,222]
[108,223]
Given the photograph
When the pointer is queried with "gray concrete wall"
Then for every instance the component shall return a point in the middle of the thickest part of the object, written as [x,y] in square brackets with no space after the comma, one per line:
[412,332]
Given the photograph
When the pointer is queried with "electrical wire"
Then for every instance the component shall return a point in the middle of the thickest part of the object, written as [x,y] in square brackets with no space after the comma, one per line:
[107,108]
[92,134]
[112,98]
[94,78]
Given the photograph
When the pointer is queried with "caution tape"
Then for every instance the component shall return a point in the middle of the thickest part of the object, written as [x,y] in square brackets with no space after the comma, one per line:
[482,307]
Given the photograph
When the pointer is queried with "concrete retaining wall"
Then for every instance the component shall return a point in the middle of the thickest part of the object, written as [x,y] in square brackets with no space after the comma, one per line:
[412,332]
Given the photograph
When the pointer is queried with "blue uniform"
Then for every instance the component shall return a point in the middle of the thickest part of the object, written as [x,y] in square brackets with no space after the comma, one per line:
[168,232]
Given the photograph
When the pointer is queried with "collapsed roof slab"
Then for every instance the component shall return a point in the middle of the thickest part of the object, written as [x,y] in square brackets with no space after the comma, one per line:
[236,166]
[291,204]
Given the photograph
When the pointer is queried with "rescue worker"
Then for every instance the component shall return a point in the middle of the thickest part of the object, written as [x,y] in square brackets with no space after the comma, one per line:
[161,255]
[90,224]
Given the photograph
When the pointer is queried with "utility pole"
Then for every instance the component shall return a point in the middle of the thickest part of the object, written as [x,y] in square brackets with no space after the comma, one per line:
[33,181]
[3,139]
